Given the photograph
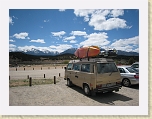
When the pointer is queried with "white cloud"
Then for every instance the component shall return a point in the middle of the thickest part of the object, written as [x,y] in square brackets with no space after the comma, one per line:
[59,34]
[22,35]
[100,20]
[112,23]
[12,47]
[98,39]
[62,10]
[38,41]
[78,33]
[73,41]
[69,38]
[46,20]
[117,12]
[11,40]
[11,21]
[130,44]
[84,13]
[60,47]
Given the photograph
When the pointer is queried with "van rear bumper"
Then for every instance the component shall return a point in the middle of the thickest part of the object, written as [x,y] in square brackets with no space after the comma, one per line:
[108,89]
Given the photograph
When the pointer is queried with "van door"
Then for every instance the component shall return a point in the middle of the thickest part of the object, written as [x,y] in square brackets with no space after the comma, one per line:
[86,75]
[75,73]
[68,71]
[107,73]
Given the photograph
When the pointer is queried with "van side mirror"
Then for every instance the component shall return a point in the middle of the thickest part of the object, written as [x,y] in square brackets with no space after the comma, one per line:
[65,68]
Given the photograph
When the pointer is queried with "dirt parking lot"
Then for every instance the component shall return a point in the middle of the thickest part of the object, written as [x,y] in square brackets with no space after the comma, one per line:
[61,95]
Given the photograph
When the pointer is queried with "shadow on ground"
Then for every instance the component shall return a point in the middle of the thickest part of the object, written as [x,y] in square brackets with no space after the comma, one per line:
[105,98]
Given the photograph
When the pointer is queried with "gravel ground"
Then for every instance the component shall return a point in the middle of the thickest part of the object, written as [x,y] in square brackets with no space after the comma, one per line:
[61,95]
[37,73]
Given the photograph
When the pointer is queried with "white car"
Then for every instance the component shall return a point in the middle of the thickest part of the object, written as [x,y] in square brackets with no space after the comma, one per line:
[129,75]
[135,65]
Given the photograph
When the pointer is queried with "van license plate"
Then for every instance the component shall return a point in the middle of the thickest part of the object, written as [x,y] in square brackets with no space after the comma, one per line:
[110,84]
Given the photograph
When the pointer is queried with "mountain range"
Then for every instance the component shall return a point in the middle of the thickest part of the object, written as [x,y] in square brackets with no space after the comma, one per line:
[37,52]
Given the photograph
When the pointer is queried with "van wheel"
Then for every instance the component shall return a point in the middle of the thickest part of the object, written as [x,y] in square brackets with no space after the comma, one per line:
[126,82]
[86,90]
[69,83]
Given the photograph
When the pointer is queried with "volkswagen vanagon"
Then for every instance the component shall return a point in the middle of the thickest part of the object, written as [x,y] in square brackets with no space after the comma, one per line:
[93,75]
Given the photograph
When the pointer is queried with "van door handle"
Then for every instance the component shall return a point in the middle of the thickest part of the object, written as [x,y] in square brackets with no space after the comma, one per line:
[76,76]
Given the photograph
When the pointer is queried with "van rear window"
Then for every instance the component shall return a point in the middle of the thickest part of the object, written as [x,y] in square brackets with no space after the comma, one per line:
[106,68]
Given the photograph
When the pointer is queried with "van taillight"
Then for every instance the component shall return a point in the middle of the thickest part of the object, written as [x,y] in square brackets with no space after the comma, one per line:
[118,83]
[136,76]
[99,86]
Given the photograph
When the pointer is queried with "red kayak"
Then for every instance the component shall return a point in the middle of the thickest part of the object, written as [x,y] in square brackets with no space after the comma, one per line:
[86,52]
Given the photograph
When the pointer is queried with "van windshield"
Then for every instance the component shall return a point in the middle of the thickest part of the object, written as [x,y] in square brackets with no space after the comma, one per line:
[106,68]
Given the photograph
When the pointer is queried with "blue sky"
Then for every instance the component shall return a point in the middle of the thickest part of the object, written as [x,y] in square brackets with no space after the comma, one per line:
[61,29]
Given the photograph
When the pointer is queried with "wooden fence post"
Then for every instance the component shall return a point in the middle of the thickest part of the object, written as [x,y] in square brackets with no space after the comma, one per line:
[54,79]
[59,74]
[44,75]
[30,81]
[27,76]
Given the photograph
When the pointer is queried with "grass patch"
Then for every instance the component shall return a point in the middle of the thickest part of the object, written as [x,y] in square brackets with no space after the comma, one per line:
[25,82]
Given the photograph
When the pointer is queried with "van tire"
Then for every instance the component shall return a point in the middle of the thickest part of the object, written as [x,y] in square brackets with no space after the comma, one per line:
[69,83]
[86,90]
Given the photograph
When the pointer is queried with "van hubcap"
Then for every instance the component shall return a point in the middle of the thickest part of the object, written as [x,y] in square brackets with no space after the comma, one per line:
[86,89]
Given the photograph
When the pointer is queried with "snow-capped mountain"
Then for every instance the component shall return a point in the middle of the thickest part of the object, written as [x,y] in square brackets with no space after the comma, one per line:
[43,52]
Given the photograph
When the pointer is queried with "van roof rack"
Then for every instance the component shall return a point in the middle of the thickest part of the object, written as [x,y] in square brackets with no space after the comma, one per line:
[92,60]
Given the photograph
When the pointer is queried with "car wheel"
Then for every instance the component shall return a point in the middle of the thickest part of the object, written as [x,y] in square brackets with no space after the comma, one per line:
[86,90]
[69,83]
[126,82]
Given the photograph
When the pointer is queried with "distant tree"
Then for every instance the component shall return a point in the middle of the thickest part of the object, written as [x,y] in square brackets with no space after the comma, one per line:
[131,61]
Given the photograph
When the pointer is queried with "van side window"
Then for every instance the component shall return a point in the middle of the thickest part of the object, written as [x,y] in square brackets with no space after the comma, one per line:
[77,67]
[69,67]
[106,68]
[85,68]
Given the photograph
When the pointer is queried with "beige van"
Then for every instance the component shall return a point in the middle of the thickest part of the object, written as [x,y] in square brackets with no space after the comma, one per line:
[93,75]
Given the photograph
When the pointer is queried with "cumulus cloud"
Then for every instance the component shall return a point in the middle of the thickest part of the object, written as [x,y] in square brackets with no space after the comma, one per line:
[69,38]
[112,23]
[103,19]
[117,12]
[78,33]
[38,41]
[129,44]
[11,40]
[59,34]
[73,41]
[22,35]
[98,39]
[84,13]
[12,47]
